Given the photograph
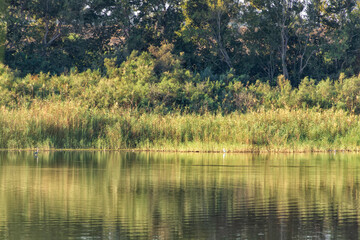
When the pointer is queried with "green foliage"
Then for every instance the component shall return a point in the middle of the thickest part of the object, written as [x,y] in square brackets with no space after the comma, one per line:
[259,39]
[155,81]
[3,29]
[210,27]
[349,94]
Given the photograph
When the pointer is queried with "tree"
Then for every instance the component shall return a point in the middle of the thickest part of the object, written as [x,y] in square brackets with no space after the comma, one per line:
[280,18]
[260,37]
[52,36]
[37,31]
[155,22]
[340,21]
[297,37]
[3,30]
[211,25]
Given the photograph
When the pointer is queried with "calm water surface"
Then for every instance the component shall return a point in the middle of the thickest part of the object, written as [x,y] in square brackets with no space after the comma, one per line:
[97,195]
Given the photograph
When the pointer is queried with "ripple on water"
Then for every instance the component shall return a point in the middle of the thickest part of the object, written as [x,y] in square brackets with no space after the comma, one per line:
[138,196]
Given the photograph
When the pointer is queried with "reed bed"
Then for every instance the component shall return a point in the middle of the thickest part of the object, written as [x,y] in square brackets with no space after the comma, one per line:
[60,125]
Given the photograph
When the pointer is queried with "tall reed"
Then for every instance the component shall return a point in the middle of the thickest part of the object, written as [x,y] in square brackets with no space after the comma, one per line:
[70,125]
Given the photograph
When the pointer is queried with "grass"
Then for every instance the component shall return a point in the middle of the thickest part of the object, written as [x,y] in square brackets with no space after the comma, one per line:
[61,125]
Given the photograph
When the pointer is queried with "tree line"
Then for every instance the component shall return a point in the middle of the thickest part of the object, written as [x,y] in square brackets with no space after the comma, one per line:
[252,39]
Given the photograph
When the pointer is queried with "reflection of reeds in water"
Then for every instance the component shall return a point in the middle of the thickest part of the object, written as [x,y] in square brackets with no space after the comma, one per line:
[152,192]
[69,125]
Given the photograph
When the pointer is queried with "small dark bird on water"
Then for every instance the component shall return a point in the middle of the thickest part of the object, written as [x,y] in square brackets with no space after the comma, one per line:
[36,152]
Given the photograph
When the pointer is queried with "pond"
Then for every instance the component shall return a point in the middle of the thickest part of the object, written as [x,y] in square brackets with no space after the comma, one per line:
[128,195]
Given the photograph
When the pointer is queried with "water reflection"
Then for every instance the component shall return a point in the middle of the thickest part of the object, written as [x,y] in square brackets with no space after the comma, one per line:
[97,195]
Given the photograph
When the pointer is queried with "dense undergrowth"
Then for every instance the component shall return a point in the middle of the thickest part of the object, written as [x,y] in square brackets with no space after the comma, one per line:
[155,81]
[151,102]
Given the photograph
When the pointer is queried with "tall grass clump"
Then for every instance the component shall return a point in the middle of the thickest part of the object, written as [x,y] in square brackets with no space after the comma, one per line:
[50,125]
[70,125]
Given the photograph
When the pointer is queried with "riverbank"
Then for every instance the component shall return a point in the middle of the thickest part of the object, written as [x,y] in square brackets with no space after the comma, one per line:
[264,151]
[69,125]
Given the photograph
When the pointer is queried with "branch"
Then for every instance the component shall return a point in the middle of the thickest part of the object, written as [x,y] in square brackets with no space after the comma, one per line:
[219,40]
[46,30]
[56,35]
[306,62]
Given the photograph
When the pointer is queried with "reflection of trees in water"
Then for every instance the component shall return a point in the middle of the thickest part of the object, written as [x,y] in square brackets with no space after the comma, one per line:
[188,195]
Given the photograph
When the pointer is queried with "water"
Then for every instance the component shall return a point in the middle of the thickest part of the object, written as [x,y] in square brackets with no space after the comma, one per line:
[97,195]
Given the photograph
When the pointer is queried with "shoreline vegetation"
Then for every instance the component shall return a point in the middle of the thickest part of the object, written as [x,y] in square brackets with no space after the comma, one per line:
[137,106]
[50,150]
[272,76]
[68,125]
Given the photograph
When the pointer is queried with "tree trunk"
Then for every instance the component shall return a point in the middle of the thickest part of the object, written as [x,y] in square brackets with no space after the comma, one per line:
[218,38]
[284,39]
